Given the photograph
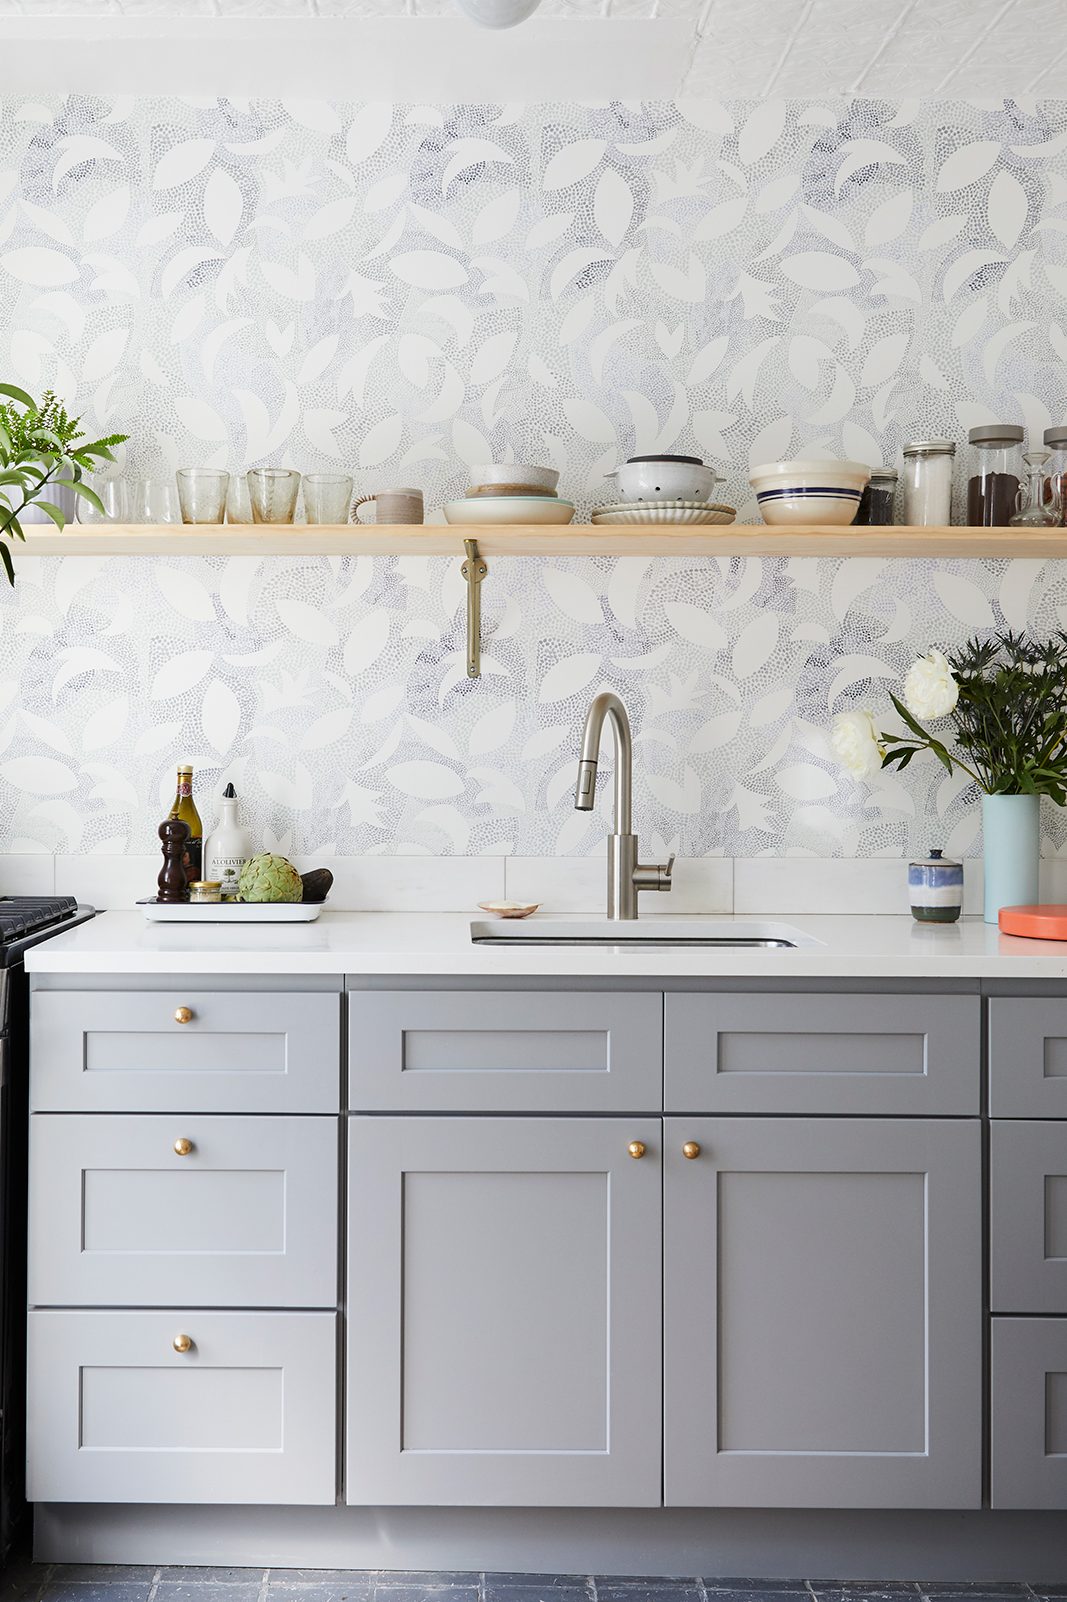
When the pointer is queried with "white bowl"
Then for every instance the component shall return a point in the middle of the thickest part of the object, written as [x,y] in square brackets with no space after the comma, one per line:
[664,478]
[543,478]
[487,510]
[809,491]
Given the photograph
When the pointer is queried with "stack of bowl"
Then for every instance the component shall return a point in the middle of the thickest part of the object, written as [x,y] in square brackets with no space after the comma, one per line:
[510,492]
[664,489]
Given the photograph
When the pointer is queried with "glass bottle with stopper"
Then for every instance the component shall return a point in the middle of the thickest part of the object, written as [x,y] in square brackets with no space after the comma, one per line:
[1033,510]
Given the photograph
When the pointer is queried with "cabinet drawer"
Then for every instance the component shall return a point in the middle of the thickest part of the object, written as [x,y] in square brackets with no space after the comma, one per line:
[1028,1374]
[247,1414]
[823,1054]
[1028,1217]
[493,1051]
[123,1051]
[1028,1056]
[247,1218]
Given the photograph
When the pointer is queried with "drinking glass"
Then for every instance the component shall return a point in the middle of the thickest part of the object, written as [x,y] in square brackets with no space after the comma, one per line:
[327,497]
[238,505]
[273,491]
[114,493]
[154,500]
[202,494]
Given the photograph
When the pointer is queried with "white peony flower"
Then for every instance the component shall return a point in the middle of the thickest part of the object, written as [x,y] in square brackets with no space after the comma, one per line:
[930,690]
[854,738]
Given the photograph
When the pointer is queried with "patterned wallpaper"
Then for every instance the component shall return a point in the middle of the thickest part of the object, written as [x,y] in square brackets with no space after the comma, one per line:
[407,289]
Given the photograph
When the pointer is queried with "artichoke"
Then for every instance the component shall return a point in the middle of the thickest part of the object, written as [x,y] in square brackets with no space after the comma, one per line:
[269,878]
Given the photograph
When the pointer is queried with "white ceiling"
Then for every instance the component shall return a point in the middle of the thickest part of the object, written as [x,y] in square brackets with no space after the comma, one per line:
[584,48]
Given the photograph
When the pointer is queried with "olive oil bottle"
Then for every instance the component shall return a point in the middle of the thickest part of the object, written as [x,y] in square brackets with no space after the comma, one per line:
[185,808]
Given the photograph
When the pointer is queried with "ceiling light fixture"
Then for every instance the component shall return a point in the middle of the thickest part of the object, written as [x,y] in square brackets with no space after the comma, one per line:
[498,13]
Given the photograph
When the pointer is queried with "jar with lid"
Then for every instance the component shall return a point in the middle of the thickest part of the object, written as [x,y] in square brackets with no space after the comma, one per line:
[996,474]
[205,891]
[928,465]
[876,502]
[1056,474]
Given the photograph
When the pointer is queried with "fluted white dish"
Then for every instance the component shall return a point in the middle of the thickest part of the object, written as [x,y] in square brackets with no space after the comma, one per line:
[691,512]
[487,510]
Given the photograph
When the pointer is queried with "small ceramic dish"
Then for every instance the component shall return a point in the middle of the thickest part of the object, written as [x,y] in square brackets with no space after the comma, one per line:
[507,473]
[809,491]
[495,509]
[509,909]
[507,489]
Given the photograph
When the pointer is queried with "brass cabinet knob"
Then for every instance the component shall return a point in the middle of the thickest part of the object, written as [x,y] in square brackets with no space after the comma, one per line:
[183,1015]
[691,1149]
[636,1148]
[182,1343]
[182,1147]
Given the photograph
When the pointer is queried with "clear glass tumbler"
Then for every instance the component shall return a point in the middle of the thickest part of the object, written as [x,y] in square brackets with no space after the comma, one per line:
[202,493]
[327,497]
[238,505]
[114,493]
[273,492]
[154,500]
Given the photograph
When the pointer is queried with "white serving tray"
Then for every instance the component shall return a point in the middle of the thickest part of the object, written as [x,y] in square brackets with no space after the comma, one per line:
[231,911]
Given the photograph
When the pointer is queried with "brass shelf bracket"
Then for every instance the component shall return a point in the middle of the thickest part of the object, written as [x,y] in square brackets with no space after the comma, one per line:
[474,570]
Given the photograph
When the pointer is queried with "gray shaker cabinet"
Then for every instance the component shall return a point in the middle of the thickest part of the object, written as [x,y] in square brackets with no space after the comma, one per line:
[184,1049]
[491,1051]
[504,1312]
[907,1056]
[823,1314]
[158,1211]
[120,1409]
[1029,1413]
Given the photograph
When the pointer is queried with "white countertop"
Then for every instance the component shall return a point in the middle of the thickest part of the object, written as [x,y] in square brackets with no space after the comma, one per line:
[879,947]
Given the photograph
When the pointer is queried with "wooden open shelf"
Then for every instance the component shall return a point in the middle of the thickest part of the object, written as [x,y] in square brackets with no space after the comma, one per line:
[572,539]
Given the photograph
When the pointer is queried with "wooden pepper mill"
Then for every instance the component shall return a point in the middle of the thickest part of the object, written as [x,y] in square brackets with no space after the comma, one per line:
[172,883]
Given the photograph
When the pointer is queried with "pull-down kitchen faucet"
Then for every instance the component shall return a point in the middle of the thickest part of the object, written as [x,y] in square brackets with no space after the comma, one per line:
[626,876]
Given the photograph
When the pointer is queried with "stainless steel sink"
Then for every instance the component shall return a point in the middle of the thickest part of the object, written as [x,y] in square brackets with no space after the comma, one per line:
[640,934]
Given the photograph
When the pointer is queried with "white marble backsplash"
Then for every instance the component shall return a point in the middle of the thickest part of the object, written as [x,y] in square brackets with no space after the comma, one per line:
[403,290]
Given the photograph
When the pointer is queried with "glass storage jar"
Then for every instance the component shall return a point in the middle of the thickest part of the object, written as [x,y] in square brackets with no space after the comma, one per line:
[876,502]
[1056,475]
[996,473]
[928,465]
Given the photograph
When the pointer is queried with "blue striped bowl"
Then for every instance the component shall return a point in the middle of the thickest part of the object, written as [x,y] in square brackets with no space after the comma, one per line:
[809,491]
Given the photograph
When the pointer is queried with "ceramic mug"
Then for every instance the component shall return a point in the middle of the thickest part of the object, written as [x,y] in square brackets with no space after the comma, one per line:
[392,506]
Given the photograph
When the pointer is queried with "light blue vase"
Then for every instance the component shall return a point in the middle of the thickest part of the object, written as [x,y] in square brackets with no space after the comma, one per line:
[1011,842]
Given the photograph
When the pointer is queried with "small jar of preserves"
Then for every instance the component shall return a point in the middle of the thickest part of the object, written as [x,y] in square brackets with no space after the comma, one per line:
[876,502]
[205,891]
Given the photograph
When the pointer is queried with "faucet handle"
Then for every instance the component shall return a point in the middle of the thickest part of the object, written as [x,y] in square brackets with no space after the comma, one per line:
[654,875]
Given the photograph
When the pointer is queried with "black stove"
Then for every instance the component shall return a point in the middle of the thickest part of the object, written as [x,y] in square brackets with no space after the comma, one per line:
[27,915]
[24,922]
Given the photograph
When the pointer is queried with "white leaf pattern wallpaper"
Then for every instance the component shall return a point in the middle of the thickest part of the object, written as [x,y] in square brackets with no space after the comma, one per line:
[406,290]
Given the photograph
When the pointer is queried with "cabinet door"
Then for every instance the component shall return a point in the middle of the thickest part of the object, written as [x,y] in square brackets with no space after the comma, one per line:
[491,1051]
[1028,1418]
[823,1313]
[244,1413]
[1027,1217]
[185,1050]
[1028,1056]
[504,1312]
[901,1055]
[247,1217]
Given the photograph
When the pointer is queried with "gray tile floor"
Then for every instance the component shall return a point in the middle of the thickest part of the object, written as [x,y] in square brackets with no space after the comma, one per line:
[106,1583]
